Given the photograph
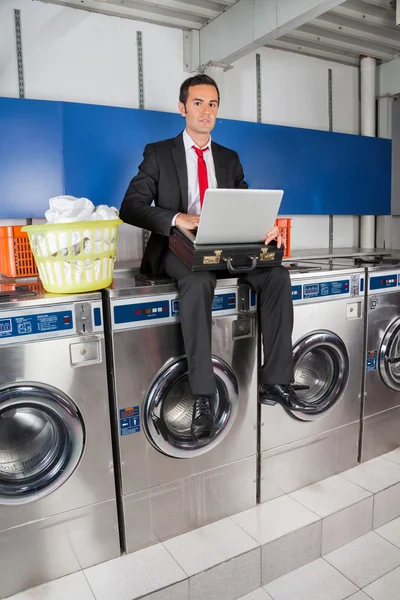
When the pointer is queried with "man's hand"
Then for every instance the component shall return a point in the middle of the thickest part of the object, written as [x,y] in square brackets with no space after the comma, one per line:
[274,234]
[187,221]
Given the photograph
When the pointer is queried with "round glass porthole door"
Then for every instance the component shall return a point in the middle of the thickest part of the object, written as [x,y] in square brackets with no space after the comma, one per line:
[389,357]
[169,409]
[41,441]
[321,372]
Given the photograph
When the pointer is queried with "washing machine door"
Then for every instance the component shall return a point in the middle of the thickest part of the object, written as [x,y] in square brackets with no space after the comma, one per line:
[389,356]
[321,370]
[41,441]
[169,408]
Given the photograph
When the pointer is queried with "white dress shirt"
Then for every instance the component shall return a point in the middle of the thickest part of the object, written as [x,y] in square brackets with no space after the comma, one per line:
[193,179]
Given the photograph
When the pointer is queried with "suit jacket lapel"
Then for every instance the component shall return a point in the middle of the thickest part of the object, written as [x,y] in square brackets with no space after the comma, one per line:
[179,158]
[219,164]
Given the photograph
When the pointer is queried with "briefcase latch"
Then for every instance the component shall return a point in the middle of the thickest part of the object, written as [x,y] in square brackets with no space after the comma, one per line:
[266,254]
[213,260]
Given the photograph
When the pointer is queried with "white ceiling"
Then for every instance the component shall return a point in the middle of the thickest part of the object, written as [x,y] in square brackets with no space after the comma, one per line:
[354,28]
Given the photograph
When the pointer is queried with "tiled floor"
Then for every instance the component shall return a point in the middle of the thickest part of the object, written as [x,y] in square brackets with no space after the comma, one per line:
[334,540]
[363,569]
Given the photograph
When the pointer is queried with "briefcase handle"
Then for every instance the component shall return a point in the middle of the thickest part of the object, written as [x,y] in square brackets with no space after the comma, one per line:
[242,269]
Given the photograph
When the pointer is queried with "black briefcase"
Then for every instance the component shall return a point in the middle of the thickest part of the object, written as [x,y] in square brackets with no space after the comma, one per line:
[236,258]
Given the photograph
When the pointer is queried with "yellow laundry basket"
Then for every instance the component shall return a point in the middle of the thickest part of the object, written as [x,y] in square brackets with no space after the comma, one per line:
[74,257]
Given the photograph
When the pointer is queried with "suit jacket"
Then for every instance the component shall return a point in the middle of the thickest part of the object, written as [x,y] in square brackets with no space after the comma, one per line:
[163,178]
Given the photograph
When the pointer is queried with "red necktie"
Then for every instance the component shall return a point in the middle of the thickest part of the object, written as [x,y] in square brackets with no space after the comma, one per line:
[201,172]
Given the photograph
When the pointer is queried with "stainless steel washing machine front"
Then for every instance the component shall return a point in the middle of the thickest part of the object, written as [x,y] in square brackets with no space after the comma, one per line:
[57,491]
[296,448]
[169,483]
[381,410]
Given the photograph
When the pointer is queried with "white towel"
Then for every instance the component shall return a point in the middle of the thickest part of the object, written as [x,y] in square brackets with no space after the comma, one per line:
[68,209]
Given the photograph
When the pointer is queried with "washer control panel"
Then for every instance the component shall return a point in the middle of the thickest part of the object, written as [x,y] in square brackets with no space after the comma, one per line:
[140,311]
[383,282]
[47,322]
[324,289]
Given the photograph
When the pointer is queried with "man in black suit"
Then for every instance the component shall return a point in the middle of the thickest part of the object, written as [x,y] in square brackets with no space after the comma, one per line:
[175,173]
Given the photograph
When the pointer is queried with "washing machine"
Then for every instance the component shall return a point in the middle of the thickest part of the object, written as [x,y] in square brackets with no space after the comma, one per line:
[381,410]
[298,449]
[169,483]
[58,509]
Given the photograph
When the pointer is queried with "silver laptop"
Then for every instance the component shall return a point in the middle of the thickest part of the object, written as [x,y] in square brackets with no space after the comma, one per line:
[236,216]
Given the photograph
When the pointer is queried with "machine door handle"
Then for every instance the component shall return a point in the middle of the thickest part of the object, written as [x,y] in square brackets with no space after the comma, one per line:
[160,427]
[392,361]
[242,269]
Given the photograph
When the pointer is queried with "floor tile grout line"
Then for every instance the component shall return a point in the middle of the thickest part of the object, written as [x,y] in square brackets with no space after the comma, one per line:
[300,503]
[87,581]
[386,540]
[166,587]
[347,507]
[368,596]
[243,529]
[357,484]
[227,560]
[281,536]
[373,512]
[174,559]
[364,488]
[380,577]
[336,511]
[389,487]
[269,594]
[342,574]
[322,531]
[329,564]
[356,538]
[389,459]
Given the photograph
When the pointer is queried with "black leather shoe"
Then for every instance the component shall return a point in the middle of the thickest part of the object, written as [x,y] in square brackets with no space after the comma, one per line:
[284,395]
[203,423]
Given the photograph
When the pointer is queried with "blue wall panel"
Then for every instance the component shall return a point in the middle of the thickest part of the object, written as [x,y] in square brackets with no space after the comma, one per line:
[47,148]
[321,172]
[103,147]
[31,159]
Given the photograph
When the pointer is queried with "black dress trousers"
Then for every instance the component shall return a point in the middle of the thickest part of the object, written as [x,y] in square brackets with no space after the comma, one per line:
[196,291]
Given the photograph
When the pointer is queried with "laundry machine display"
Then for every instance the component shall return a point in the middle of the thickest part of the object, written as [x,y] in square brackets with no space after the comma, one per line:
[171,483]
[57,490]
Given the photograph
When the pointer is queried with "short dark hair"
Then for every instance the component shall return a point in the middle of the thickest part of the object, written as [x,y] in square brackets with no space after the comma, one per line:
[201,79]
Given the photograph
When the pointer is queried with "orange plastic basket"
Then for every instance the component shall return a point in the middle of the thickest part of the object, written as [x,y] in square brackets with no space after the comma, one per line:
[284,226]
[16,258]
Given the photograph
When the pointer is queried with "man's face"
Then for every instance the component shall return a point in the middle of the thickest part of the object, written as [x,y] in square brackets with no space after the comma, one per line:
[201,108]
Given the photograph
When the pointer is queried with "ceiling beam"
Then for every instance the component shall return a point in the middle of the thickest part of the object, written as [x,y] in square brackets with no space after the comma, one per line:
[172,8]
[367,13]
[336,40]
[112,10]
[346,26]
[250,24]
[290,44]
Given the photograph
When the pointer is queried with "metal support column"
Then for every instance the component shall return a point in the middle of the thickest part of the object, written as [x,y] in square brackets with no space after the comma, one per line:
[139,40]
[140,68]
[20,63]
[259,93]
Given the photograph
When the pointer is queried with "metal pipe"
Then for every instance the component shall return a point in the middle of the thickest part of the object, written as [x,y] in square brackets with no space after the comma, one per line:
[368,127]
